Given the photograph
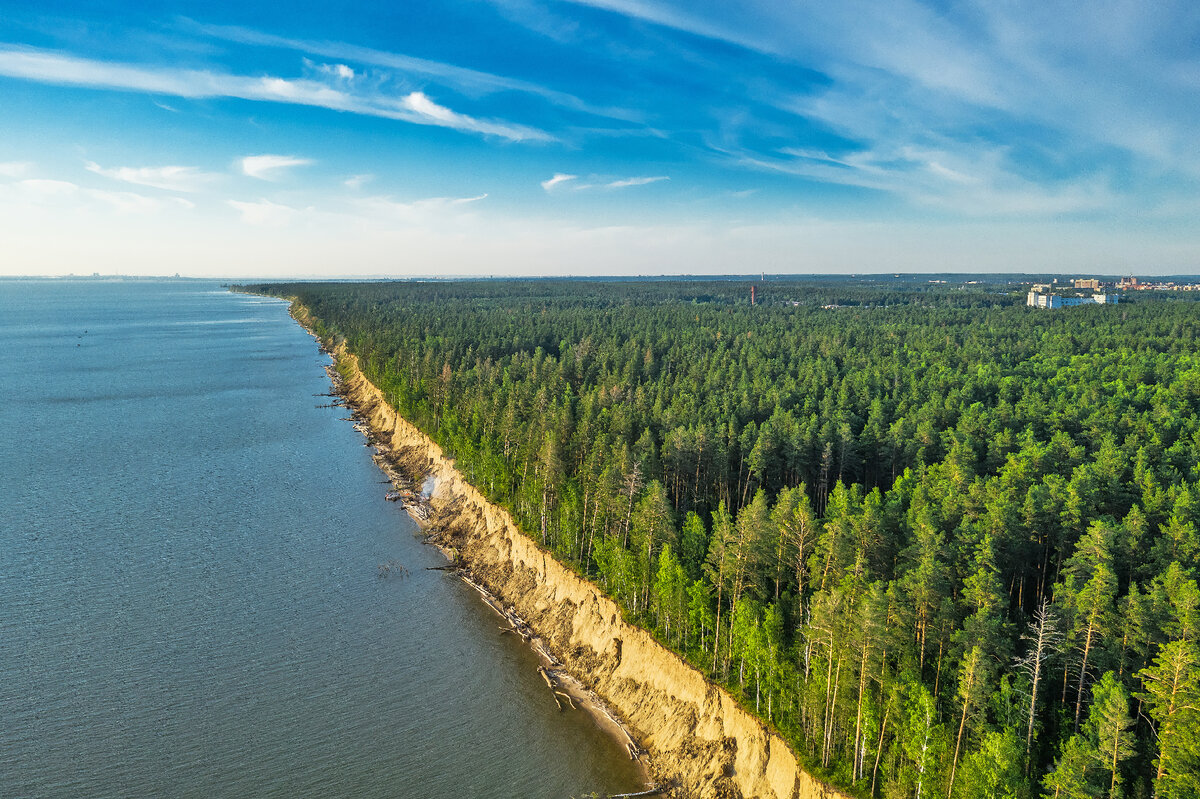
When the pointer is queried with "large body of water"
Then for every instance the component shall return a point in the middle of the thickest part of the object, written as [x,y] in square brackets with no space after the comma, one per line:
[190,598]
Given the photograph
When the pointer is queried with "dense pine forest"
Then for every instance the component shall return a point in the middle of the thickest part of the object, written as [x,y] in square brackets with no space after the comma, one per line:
[945,544]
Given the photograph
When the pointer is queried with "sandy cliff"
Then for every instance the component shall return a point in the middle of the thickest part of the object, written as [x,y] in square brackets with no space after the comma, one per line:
[697,736]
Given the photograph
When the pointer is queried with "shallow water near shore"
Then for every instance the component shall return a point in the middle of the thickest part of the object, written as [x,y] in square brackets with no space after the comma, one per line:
[190,592]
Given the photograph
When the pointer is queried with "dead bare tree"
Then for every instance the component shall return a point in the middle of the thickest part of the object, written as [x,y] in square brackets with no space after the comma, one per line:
[1044,637]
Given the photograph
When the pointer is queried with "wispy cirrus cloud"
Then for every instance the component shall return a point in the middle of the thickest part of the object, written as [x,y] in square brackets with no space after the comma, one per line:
[414,107]
[170,178]
[558,180]
[625,183]
[687,21]
[977,184]
[270,167]
[1062,92]
[434,114]
[356,182]
[572,182]
[463,79]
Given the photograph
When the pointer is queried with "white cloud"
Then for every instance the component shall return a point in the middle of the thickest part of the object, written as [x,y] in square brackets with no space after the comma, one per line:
[357,181]
[430,113]
[432,213]
[626,182]
[264,213]
[126,202]
[387,205]
[45,187]
[15,169]
[270,167]
[561,179]
[66,199]
[416,108]
[171,178]
[340,71]
[558,179]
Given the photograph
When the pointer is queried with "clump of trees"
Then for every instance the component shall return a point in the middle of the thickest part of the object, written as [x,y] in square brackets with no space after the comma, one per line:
[945,544]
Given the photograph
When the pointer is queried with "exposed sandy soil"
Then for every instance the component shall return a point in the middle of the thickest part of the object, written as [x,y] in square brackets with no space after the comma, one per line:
[700,742]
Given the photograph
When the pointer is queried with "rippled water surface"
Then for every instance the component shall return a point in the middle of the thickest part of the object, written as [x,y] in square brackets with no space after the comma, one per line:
[190,599]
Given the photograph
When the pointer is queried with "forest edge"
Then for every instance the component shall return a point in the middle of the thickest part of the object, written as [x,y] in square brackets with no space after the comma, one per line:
[701,743]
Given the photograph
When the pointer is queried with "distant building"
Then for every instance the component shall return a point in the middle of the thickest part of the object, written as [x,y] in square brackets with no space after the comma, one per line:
[1087,283]
[1044,299]
[1134,284]
[1039,299]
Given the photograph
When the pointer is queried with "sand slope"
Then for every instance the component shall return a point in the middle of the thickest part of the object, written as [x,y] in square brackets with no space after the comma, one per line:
[697,736]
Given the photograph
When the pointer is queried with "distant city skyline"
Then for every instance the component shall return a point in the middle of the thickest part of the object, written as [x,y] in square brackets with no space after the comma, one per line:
[607,137]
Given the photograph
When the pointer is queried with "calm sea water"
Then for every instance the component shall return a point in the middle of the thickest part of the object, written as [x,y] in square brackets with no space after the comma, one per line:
[190,599]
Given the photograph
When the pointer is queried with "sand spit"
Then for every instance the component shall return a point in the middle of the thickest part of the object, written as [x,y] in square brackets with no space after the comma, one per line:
[700,742]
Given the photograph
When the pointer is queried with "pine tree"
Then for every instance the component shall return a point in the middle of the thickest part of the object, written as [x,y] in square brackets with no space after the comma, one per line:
[550,475]
[924,584]
[1111,727]
[1172,697]
[1091,604]
[744,548]
[700,614]
[693,542]
[715,566]
[993,771]
[970,690]
[797,530]
[1074,774]
[670,594]
[984,597]
[1178,599]
[652,527]
[922,738]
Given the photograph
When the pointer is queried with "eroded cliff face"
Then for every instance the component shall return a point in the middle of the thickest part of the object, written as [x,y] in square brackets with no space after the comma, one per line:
[698,738]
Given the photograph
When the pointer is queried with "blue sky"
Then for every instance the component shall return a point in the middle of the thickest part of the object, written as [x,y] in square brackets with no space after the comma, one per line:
[598,137]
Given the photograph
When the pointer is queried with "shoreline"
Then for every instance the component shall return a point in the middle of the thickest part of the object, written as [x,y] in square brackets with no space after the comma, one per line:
[559,680]
[697,739]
